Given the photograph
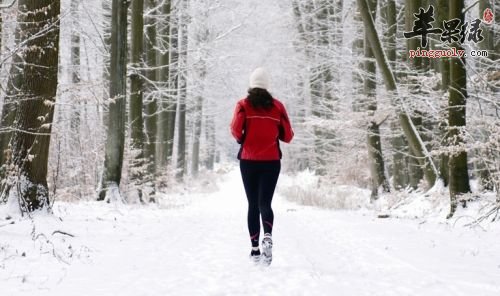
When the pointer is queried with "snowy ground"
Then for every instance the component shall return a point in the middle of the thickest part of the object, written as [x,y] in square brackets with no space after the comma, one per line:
[202,248]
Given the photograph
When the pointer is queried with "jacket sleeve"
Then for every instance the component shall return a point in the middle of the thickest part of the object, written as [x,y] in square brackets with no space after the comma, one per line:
[286,131]
[237,123]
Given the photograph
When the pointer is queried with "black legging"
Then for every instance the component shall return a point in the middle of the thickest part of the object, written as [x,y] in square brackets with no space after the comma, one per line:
[259,179]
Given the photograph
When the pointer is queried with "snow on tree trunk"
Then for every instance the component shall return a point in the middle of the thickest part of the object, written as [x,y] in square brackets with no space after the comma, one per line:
[115,139]
[36,83]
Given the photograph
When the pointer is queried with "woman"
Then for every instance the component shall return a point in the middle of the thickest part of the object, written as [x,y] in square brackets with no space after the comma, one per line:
[259,122]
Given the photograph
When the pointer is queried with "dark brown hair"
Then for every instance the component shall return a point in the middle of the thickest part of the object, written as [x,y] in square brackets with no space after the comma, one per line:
[260,98]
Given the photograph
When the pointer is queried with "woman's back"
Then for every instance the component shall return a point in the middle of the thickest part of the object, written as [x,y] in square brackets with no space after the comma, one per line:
[260,129]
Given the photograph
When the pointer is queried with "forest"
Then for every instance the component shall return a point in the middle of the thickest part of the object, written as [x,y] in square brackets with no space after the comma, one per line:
[91,99]
[116,157]
[121,99]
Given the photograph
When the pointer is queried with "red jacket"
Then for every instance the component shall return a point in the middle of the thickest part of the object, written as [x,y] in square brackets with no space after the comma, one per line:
[259,130]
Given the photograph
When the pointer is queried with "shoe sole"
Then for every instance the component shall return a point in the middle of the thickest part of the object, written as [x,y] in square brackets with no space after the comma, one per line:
[255,259]
[267,251]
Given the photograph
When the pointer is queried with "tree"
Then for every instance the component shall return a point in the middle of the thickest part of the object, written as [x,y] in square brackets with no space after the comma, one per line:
[374,143]
[182,86]
[115,139]
[136,96]
[399,146]
[165,103]
[412,7]
[459,174]
[151,102]
[36,82]
[173,80]
[444,67]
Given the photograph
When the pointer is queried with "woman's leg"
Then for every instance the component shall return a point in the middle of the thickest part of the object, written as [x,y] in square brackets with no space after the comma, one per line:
[251,183]
[268,178]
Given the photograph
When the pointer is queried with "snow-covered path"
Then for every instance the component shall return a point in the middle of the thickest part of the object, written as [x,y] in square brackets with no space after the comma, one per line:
[202,249]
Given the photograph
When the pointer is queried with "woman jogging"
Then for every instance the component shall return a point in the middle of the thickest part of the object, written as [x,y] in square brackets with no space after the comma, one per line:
[259,123]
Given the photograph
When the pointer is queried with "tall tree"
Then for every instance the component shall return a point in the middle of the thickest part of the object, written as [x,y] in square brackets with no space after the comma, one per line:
[442,9]
[115,138]
[173,79]
[136,96]
[36,80]
[165,103]
[459,174]
[399,163]
[182,85]
[151,102]
[75,65]
[374,143]
[412,7]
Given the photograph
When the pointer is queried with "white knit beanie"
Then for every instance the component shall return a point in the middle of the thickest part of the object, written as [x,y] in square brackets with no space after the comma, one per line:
[259,79]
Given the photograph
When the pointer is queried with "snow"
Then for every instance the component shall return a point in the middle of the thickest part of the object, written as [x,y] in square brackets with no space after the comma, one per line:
[200,246]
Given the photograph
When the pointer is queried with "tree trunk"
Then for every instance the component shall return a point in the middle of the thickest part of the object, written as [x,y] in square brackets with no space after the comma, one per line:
[75,68]
[416,65]
[459,175]
[375,156]
[181,144]
[151,103]
[442,11]
[166,102]
[198,114]
[399,165]
[173,81]
[37,82]
[136,96]
[211,141]
[115,139]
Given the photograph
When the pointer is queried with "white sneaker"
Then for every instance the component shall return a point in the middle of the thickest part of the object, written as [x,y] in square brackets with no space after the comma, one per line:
[267,249]
[255,256]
